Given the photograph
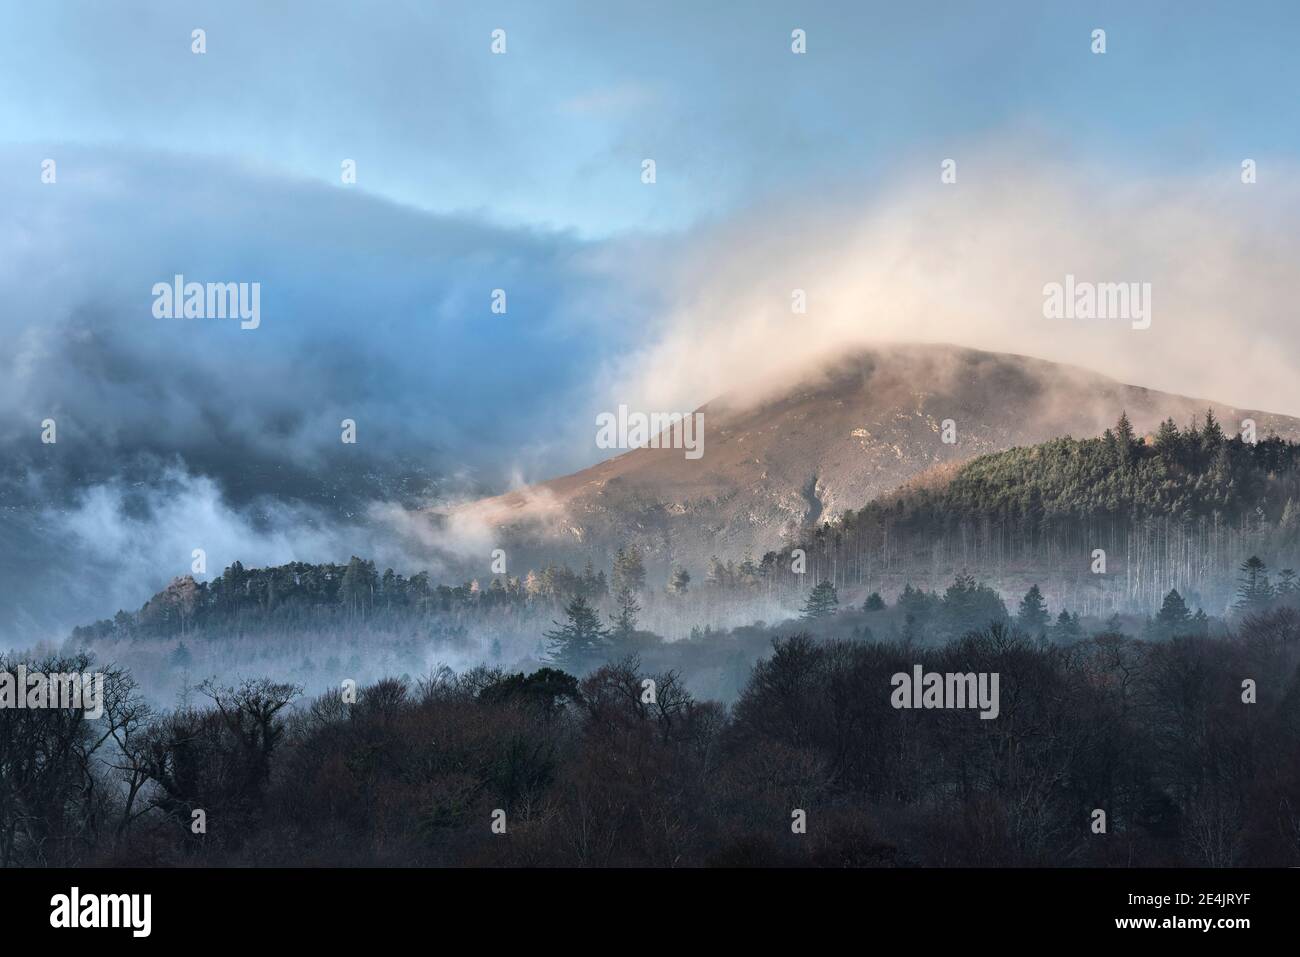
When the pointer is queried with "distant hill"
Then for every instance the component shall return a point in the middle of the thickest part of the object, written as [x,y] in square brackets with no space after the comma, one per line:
[854,430]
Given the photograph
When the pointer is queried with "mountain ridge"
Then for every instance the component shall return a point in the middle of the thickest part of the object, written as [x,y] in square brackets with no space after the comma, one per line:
[858,427]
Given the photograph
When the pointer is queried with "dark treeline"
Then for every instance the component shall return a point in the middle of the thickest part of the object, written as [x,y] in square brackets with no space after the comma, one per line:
[1174,510]
[305,595]
[596,771]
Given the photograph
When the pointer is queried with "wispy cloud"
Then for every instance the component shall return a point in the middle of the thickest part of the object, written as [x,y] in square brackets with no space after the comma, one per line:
[967,263]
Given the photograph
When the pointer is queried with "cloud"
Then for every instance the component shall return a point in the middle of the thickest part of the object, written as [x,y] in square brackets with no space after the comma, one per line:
[369,310]
[967,263]
[121,541]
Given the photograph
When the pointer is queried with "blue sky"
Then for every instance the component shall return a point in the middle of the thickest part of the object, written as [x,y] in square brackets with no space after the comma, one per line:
[552,133]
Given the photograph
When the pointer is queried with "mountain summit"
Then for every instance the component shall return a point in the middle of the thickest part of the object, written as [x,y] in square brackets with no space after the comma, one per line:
[856,428]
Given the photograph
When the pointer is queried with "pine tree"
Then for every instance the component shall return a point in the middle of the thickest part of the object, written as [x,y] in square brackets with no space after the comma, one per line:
[747,575]
[918,609]
[1124,440]
[180,657]
[969,606]
[1193,457]
[874,602]
[1032,617]
[821,601]
[591,584]
[357,588]
[1211,434]
[1253,588]
[1067,628]
[1169,444]
[1124,428]
[580,641]
[1111,445]
[680,582]
[1173,618]
[1287,582]
[629,572]
[625,621]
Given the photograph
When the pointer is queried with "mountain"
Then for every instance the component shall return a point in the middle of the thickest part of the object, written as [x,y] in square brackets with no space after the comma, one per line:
[856,428]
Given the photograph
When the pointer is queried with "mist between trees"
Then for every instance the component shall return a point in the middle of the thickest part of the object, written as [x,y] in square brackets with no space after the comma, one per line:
[1174,513]
[592,771]
[314,624]
[1154,727]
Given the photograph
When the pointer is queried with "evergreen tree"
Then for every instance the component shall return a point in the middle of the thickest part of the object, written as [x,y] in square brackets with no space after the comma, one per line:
[625,621]
[1032,617]
[918,609]
[969,606]
[1173,618]
[1067,628]
[821,601]
[357,588]
[1253,588]
[1124,440]
[592,585]
[1211,434]
[1169,443]
[1193,456]
[748,574]
[680,582]
[181,657]
[581,640]
[874,602]
[629,572]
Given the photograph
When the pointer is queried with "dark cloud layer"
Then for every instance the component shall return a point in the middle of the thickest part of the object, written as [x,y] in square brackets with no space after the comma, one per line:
[369,311]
